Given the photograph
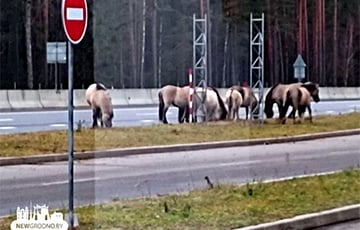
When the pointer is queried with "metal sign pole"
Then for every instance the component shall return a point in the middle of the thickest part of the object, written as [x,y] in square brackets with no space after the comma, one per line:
[71,134]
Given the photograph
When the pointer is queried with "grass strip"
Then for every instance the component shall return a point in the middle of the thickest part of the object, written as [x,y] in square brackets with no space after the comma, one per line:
[88,139]
[224,206]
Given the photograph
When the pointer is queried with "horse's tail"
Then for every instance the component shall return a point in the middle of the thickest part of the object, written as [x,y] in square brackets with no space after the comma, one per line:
[161,105]
[269,94]
[231,102]
[221,104]
[269,101]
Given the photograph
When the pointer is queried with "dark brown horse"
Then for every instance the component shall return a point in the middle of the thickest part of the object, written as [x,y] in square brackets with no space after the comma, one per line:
[300,99]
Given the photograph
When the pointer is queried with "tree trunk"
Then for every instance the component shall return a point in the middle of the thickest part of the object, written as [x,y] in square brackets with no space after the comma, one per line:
[280,52]
[335,43]
[143,44]
[30,77]
[132,43]
[154,43]
[46,38]
[349,48]
[270,79]
[160,53]
[226,42]
[307,39]
[323,44]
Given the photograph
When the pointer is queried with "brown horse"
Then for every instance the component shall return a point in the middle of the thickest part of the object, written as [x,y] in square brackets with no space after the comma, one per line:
[275,95]
[100,102]
[300,99]
[233,100]
[91,89]
[250,102]
[214,104]
[176,96]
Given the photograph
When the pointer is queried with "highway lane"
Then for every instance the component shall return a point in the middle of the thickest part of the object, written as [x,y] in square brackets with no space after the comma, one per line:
[18,122]
[104,179]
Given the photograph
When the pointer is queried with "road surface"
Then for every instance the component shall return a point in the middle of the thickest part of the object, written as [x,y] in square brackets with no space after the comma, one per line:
[104,179]
[18,122]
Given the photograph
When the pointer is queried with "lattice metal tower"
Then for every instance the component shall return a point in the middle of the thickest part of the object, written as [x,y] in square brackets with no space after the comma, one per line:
[200,61]
[257,63]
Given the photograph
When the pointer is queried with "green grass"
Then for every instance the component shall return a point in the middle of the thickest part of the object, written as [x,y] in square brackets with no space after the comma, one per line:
[225,206]
[88,139]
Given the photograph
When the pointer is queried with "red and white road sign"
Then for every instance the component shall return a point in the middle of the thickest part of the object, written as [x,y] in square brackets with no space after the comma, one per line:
[75,17]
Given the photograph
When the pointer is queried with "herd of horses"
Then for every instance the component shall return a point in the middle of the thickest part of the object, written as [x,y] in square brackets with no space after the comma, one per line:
[297,95]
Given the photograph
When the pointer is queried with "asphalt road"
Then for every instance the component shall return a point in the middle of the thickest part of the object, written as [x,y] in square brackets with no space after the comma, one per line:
[101,180]
[18,122]
[351,225]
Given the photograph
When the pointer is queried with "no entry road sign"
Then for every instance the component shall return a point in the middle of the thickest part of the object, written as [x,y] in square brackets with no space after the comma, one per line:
[75,17]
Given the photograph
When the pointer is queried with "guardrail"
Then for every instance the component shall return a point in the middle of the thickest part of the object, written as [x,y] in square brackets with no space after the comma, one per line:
[11,100]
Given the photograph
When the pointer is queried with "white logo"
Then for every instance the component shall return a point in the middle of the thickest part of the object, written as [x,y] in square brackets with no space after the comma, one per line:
[38,219]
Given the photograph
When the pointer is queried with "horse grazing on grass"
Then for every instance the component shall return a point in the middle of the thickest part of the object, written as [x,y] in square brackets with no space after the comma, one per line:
[233,100]
[99,100]
[276,95]
[176,96]
[250,102]
[214,104]
[300,99]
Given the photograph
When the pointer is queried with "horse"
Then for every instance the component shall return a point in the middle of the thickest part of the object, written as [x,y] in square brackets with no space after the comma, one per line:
[250,101]
[99,100]
[91,89]
[233,100]
[275,95]
[102,108]
[214,104]
[300,99]
[176,96]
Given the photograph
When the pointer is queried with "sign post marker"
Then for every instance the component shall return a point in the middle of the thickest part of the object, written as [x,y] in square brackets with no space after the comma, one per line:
[74,17]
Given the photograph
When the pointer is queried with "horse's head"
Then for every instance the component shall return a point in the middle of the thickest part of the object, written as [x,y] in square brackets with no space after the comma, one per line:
[107,119]
[313,89]
[269,101]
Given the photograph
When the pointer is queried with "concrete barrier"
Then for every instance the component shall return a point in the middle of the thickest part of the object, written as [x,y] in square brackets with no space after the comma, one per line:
[39,99]
[154,96]
[139,96]
[19,99]
[53,99]
[79,99]
[351,93]
[118,97]
[4,101]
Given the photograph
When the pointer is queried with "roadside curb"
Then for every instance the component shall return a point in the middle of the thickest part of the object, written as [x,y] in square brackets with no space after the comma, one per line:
[170,148]
[312,220]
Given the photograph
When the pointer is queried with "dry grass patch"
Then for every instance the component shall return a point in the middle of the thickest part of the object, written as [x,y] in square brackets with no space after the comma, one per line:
[224,206]
[88,139]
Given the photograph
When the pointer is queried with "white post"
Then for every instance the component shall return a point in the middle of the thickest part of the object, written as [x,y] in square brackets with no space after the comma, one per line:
[191,94]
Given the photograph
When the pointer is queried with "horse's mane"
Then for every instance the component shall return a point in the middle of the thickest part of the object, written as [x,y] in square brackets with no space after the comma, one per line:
[100,86]
[221,103]
[269,94]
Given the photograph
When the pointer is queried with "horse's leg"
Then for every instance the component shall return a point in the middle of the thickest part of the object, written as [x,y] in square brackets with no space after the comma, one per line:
[283,113]
[292,114]
[280,108]
[181,115]
[95,118]
[164,114]
[310,113]
[247,112]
